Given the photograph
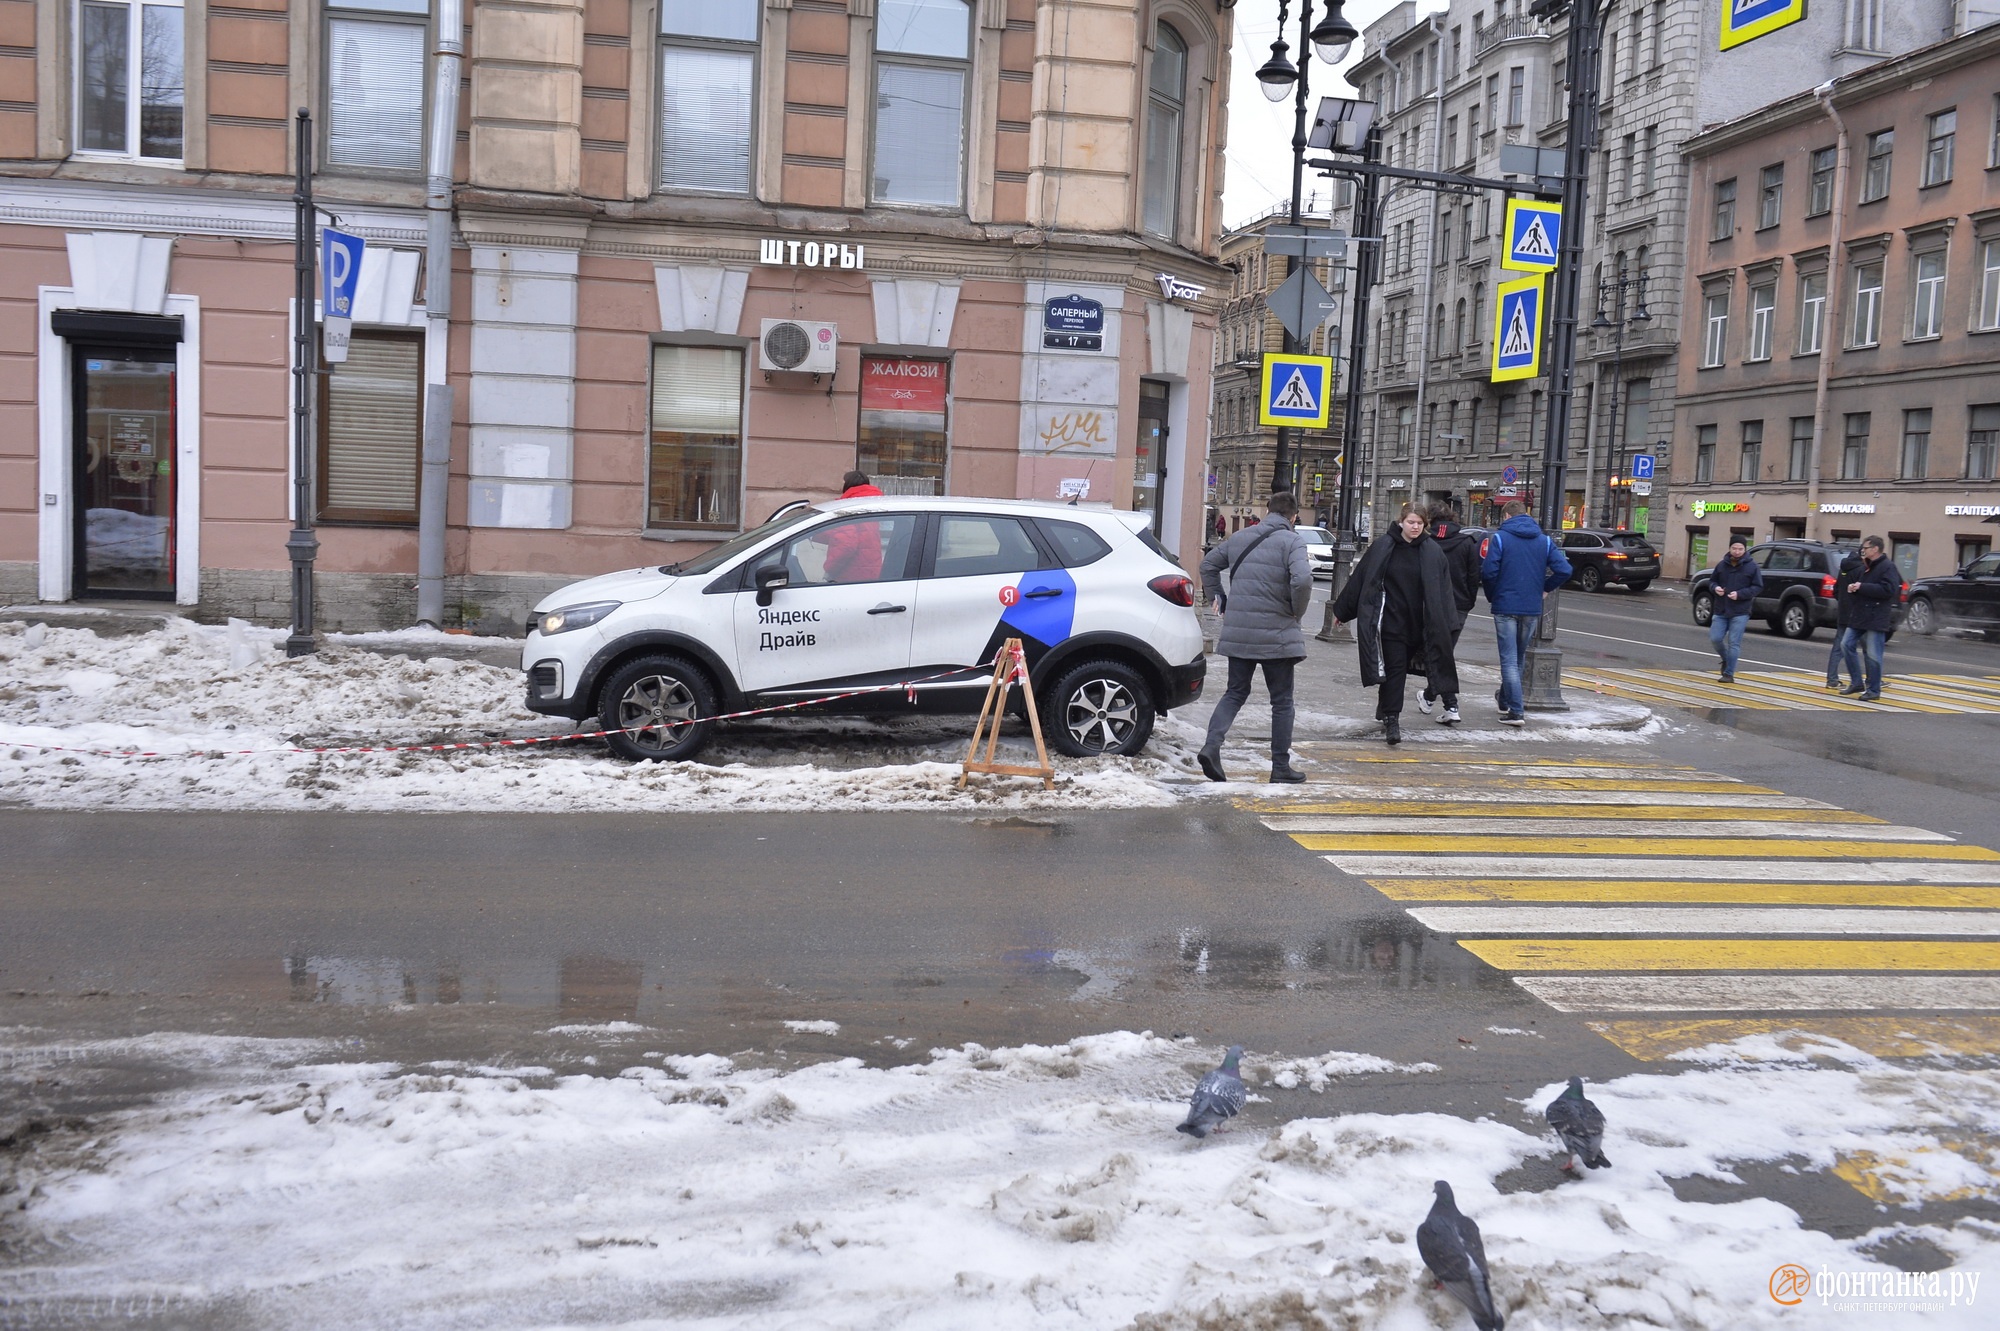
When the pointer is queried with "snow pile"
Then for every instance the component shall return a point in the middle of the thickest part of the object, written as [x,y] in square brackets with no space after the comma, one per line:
[1034,1187]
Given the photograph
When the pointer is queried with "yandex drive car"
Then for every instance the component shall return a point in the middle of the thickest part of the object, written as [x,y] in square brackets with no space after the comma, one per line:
[848,596]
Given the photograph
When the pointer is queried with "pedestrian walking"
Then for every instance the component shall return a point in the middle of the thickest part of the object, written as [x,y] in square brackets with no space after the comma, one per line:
[1518,565]
[1846,649]
[1877,590]
[1461,555]
[1401,604]
[1270,588]
[1732,591]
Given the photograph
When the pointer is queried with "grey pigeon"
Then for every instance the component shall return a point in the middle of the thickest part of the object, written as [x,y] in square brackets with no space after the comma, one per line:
[1218,1096]
[1580,1124]
[1449,1243]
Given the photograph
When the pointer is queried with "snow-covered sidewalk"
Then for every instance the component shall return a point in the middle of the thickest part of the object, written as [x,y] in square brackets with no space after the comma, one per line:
[1037,1187]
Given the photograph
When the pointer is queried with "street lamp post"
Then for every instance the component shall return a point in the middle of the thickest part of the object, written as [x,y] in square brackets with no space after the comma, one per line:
[1616,324]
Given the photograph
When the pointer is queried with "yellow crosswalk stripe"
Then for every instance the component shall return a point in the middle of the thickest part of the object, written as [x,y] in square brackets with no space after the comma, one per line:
[1987,686]
[1734,954]
[1638,816]
[1883,1037]
[1804,691]
[1413,761]
[1720,848]
[1544,890]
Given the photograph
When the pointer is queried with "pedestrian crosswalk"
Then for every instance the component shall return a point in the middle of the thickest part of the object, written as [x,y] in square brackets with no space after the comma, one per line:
[1632,889]
[1789,690]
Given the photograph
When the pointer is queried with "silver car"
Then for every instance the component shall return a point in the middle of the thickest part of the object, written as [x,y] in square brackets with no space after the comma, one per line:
[1319,549]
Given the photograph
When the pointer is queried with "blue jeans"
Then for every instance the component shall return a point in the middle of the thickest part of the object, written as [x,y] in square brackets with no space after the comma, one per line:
[1725,634]
[1513,634]
[1846,651]
[1872,643]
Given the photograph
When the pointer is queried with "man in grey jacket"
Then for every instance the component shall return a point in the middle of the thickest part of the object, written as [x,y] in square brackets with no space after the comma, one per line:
[1270,587]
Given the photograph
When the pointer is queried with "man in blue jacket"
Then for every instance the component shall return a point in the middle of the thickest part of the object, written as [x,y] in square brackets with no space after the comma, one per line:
[1731,592]
[1517,565]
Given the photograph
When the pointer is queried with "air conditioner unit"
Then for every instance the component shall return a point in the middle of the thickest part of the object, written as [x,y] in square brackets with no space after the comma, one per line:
[793,344]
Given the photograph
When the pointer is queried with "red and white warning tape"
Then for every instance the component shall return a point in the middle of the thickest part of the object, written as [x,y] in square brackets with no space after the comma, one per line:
[1019,672]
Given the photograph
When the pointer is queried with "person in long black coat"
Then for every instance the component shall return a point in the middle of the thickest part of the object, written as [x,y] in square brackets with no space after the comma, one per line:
[1403,608]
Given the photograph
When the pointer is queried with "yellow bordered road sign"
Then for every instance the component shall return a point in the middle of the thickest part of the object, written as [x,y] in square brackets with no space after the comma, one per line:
[1534,236]
[1745,20]
[1297,391]
[1517,330]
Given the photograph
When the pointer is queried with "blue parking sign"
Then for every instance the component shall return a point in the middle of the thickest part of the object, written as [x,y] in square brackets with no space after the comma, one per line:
[1642,466]
[340,276]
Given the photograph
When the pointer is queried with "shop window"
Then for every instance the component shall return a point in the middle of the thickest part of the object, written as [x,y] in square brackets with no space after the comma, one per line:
[1916,444]
[1165,114]
[130,79]
[1927,298]
[903,424]
[1819,198]
[1982,442]
[1941,130]
[371,419]
[708,75]
[923,49]
[1875,173]
[694,464]
[1975,547]
[1905,550]
[1854,447]
[375,83]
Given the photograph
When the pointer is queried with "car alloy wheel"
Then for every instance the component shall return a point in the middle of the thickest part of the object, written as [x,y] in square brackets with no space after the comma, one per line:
[1101,708]
[1589,579]
[1795,620]
[1704,608]
[654,706]
[1922,617]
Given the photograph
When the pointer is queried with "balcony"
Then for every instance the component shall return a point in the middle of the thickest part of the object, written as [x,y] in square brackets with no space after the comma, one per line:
[1516,25]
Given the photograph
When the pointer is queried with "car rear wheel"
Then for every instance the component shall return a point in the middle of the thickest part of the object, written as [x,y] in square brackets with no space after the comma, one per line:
[1098,708]
[1640,585]
[1922,618]
[1704,607]
[1795,620]
[1589,578]
[653,706]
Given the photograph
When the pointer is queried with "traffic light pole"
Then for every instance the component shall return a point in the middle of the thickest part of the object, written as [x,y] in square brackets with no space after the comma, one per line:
[1367,258]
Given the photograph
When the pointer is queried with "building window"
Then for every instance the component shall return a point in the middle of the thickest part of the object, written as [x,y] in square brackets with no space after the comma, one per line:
[130,79]
[903,423]
[1864,25]
[1812,312]
[1982,442]
[1820,200]
[1854,447]
[1875,175]
[1993,147]
[1866,330]
[1648,158]
[1751,463]
[1763,306]
[1451,141]
[1165,112]
[1628,185]
[1517,94]
[1800,462]
[1715,329]
[1927,306]
[694,466]
[1478,313]
[922,51]
[1916,444]
[1458,326]
[1472,131]
[375,83]
[1940,131]
[1659,33]
[1989,284]
[1722,222]
[708,74]
[371,420]
[1704,455]
[1770,196]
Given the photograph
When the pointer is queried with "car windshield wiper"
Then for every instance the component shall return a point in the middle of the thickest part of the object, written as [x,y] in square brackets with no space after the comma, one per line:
[670,568]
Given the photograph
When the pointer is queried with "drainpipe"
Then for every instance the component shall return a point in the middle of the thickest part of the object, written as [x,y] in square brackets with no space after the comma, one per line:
[1830,326]
[441,152]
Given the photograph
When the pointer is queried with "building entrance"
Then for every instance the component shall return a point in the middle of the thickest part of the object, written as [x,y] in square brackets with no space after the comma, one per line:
[122,448]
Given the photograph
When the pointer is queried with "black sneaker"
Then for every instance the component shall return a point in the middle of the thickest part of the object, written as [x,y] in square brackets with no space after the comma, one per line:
[1514,719]
[1851,690]
[1869,697]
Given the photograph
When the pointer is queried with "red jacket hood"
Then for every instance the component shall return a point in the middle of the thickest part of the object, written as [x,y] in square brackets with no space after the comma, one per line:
[860,492]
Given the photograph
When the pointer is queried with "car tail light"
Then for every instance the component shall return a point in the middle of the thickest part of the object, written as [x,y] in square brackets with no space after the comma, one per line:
[1615,555]
[1826,586]
[1174,587]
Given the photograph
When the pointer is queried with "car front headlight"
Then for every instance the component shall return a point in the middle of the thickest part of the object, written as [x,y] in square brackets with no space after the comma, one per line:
[574,616]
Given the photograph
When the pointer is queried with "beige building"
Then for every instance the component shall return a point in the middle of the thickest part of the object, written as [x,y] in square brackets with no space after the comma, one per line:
[1845,317]
[704,255]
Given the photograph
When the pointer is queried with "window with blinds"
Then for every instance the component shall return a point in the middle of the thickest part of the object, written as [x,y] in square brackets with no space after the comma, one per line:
[371,422]
[708,77]
[923,50]
[375,83]
[694,463]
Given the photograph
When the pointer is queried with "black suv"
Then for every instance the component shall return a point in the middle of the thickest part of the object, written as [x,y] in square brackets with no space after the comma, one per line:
[1798,586]
[1602,557]
[1967,599]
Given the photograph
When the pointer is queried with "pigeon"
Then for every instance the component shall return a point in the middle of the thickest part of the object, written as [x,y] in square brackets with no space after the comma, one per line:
[1449,1243]
[1580,1124]
[1218,1096]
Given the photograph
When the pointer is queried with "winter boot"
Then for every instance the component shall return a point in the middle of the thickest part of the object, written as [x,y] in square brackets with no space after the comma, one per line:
[1392,729]
[1284,774]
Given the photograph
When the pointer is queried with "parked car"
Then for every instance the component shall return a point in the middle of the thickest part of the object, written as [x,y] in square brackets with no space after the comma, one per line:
[913,592]
[1319,549]
[1967,599]
[1603,557]
[1799,582]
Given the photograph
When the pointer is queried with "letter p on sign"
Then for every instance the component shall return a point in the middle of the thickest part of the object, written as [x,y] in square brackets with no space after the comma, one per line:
[340,274]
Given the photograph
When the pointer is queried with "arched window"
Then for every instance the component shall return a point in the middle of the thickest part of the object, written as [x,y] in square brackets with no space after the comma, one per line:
[923,54]
[1458,327]
[1166,108]
[1437,330]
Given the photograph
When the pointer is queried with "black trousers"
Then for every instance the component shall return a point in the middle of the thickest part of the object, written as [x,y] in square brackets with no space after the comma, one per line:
[1450,699]
[1395,672]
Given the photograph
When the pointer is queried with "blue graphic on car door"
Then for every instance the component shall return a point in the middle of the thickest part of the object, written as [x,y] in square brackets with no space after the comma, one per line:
[1047,607]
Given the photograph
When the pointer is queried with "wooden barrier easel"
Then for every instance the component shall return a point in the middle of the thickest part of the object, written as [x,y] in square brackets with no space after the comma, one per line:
[1010,665]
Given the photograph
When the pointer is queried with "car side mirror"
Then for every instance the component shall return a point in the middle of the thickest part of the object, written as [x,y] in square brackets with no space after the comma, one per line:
[769,579]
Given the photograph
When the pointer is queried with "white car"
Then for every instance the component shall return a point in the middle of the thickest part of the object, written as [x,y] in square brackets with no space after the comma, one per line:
[1319,549]
[917,593]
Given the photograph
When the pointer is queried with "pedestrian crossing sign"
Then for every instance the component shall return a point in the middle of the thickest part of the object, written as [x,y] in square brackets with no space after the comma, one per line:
[1517,330]
[1534,235]
[1745,20]
[1297,390]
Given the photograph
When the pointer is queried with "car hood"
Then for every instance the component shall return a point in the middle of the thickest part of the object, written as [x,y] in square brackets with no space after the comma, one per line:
[632,584]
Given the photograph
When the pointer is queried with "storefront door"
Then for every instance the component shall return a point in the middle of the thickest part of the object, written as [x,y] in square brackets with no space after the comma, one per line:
[122,436]
[1149,463]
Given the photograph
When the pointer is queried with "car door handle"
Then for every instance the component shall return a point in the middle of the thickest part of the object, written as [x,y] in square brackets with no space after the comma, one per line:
[1041,592]
[886,609]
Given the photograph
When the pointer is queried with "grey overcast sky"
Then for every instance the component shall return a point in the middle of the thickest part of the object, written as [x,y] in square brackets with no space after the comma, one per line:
[1259,174]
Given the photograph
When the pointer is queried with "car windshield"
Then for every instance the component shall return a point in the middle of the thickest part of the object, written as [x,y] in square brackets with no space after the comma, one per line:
[736,545]
[1316,535]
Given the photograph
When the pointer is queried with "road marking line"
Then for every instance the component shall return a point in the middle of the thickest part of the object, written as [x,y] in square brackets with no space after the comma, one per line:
[1731,954]
[1427,763]
[1759,692]
[1649,819]
[1636,798]
[1764,993]
[1985,685]
[1468,774]
[1640,890]
[1719,848]
[1448,789]
[1883,1037]
[1905,1179]
[1596,827]
[1857,870]
[1683,921]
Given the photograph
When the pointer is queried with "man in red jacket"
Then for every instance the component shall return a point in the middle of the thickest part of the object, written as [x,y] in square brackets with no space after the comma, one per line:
[854,549]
